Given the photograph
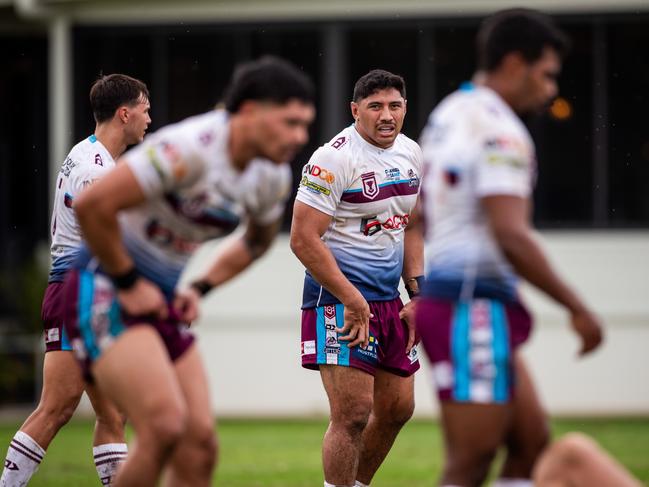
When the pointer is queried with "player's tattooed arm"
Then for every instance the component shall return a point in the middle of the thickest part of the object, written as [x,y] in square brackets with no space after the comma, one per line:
[238,255]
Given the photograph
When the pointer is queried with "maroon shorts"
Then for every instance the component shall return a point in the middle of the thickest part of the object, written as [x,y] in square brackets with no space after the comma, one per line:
[386,350]
[93,319]
[471,346]
[54,332]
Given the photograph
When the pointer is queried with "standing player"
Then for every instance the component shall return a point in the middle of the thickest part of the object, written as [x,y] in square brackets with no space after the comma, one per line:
[120,105]
[187,183]
[350,230]
[480,166]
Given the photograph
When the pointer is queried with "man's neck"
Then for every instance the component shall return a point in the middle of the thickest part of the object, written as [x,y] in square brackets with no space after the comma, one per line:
[240,150]
[111,138]
[500,86]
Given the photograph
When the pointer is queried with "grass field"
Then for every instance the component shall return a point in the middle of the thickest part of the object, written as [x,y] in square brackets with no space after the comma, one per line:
[273,453]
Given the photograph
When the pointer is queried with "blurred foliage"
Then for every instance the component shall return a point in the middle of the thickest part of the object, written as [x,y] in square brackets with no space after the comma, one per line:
[21,294]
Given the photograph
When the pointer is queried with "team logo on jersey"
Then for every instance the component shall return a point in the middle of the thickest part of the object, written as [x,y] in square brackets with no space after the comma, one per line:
[330,311]
[339,142]
[370,187]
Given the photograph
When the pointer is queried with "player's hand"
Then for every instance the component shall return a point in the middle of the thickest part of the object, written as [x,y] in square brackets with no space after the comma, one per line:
[589,328]
[143,299]
[186,304]
[357,323]
[407,315]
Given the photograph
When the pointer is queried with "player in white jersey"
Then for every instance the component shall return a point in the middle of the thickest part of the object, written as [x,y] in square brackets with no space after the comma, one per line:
[120,105]
[186,183]
[479,164]
[350,230]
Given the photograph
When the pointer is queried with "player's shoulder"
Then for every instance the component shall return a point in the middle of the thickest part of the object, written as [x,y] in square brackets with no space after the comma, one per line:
[336,151]
[407,144]
[88,155]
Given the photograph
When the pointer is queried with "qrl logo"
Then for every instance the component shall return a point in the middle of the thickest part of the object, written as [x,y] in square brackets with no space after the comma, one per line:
[318,172]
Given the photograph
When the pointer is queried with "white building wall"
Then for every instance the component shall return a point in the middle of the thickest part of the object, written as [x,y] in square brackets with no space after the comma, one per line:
[250,334]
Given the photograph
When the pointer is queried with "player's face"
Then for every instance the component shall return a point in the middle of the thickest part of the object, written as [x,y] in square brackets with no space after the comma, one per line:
[138,120]
[282,130]
[539,85]
[379,117]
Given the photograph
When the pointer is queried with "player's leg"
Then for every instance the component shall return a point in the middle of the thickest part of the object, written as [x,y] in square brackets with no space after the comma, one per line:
[350,393]
[577,461]
[394,400]
[109,444]
[62,389]
[529,432]
[472,435]
[194,458]
[393,406]
[136,373]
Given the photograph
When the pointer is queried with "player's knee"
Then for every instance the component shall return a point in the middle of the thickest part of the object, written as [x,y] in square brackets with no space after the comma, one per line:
[353,414]
[59,412]
[167,426]
[207,447]
[573,448]
[401,412]
[470,464]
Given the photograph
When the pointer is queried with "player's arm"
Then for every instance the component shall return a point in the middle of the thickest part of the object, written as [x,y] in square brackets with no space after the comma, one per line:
[96,210]
[307,228]
[239,254]
[508,217]
[413,271]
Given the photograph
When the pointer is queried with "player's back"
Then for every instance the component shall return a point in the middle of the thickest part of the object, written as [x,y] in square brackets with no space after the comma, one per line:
[87,161]
[474,146]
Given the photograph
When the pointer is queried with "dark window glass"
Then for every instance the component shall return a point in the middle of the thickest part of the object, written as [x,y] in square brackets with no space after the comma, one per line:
[628,165]
[393,49]
[564,191]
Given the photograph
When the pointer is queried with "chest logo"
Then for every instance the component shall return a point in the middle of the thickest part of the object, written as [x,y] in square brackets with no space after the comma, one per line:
[370,187]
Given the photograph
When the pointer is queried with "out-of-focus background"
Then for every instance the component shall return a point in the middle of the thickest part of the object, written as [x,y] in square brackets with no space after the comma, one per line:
[592,199]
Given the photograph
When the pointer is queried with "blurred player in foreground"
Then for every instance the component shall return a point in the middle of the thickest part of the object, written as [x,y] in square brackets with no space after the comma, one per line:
[350,230]
[576,460]
[187,183]
[120,105]
[479,173]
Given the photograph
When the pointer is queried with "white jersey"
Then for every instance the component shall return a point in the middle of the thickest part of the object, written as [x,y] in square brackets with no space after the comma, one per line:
[194,194]
[88,161]
[370,193]
[474,146]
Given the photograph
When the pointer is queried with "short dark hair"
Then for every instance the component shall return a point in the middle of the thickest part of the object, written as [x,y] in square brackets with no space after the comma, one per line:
[267,79]
[518,30]
[375,80]
[112,91]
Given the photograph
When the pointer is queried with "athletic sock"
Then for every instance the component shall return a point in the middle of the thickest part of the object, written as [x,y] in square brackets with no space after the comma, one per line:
[23,458]
[327,484]
[108,457]
[512,482]
[360,484]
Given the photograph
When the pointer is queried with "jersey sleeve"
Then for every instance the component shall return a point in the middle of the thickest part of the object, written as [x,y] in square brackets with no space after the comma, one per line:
[273,197]
[323,180]
[165,163]
[505,166]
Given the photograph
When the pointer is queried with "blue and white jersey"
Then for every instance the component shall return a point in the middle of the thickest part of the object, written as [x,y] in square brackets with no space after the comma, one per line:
[369,192]
[474,146]
[88,161]
[194,194]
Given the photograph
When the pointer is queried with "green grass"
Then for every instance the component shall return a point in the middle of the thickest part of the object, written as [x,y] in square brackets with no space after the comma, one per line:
[287,453]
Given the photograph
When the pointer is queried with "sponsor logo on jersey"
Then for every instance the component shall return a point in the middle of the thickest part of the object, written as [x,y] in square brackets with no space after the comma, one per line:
[317,171]
[370,187]
[98,160]
[413,179]
[313,187]
[67,166]
[507,151]
[393,174]
[371,225]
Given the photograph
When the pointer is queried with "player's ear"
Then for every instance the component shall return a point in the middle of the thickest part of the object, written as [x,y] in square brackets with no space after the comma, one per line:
[354,107]
[122,113]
